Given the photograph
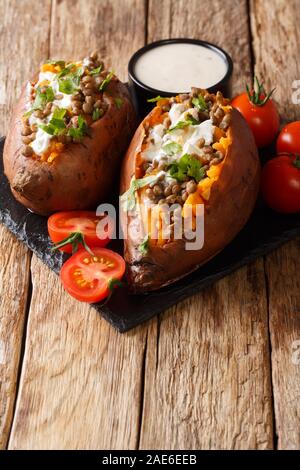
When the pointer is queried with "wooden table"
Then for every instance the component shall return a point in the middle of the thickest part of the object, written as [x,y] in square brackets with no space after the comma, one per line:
[220,370]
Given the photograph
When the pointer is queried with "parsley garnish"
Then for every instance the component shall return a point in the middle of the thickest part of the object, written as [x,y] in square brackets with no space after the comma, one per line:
[80,131]
[106,81]
[61,63]
[187,166]
[70,84]
[97,70]
[157,98]
[145,245]
[128,198]
[119,102]
[190,121]
[172,148]
[200,103]
[97,113]
[43,96]
[56,124]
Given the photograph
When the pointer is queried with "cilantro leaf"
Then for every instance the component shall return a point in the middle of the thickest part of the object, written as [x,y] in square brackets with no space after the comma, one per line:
[43,96]
[200,103]
[106,81]
[189,121]
[154,100]
[128,198]
[145,245]
[80,131]
[97,113]
[119,102]
[61,63]
[70,83]
[172,148]
[97,70]
[187,166]
[56,125]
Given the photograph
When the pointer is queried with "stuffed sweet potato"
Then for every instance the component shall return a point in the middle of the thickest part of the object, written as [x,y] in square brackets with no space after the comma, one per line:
[191,151]
[69,130]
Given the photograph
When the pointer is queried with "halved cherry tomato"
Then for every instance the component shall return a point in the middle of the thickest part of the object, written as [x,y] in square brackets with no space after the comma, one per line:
[289,138]
[260,112]
[280,183]
[74,225]
[88,277]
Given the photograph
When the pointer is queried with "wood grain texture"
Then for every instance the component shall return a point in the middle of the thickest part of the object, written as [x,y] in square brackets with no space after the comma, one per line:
[116,29]
[14,282]
[80,386]
[16,63]
[207,382]
[282,269]
[224,23]
[276,46]
[207,375]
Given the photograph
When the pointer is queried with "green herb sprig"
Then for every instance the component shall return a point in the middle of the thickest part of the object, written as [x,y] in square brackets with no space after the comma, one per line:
[128,198]
[187,166]
[145,245]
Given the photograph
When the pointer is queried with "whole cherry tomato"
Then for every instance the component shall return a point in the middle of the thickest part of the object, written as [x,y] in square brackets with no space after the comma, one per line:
[260,112]
[280,183]
[289,138]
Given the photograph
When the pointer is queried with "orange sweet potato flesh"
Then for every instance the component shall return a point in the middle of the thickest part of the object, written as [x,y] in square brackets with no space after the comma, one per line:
[230,204]
[82,175]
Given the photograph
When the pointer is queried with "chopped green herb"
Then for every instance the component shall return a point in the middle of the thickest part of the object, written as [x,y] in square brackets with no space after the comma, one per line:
[66,70]
[61,63]
[97,113]
[187,166]
[128,198]
[56,124]
[106,81]
[200,103]
[189,121]
[119,102]
[145,245]
[172,148]
[43,96]
[157,98]
[80,131]
[97,70]
[70,83]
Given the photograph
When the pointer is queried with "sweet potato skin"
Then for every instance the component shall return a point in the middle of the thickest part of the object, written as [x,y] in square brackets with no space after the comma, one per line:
[231,202]
[82,175]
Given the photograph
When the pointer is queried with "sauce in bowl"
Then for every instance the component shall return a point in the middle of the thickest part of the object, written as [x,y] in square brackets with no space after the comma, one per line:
[176,67]
[172,66]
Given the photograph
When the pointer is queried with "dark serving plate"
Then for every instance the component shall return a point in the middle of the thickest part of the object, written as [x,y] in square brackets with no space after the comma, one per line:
[265,231]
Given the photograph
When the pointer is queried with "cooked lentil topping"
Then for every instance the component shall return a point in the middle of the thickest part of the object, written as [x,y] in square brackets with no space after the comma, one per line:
[185,143]
[62,104]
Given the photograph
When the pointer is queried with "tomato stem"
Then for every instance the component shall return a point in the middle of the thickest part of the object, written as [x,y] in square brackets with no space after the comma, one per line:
[112,284]
[74,239]
[258,95]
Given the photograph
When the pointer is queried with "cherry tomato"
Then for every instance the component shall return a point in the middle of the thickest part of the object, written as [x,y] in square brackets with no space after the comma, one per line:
[289,138]
[69,229]
[260,113]
[88,277]
[280,184]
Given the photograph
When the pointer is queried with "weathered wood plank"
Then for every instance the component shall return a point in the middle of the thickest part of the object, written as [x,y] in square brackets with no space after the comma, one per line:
[207,364]
[81,381]
[276,45]
[16,62]
[224,23]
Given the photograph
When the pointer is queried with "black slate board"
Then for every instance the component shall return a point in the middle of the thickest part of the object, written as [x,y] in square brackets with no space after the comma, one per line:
[265,231]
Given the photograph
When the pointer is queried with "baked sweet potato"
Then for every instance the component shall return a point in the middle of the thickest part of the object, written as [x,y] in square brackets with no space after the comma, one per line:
[190,150]
[69,130]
